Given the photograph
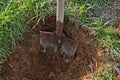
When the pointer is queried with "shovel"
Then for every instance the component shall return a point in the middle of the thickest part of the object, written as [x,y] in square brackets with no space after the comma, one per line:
[57,39]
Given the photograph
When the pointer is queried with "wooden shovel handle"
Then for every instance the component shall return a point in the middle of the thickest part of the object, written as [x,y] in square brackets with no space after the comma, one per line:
[59,18]
[60,10]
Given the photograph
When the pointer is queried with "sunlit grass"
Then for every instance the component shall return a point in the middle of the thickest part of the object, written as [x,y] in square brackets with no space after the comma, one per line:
[14,15]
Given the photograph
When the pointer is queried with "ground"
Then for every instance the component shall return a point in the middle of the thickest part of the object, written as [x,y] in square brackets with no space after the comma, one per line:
[30,63]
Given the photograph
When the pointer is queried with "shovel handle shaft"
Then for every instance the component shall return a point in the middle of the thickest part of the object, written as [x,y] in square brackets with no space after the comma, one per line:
[59,18]
[60,10]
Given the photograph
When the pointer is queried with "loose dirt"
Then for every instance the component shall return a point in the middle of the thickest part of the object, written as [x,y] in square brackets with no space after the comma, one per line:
[30,63]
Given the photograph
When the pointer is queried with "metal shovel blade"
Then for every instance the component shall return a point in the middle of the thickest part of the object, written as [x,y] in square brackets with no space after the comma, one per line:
[48,39]
[69,47]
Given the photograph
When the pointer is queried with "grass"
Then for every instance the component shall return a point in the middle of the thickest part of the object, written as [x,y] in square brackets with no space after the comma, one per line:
[14,18]
[11,29]
[105,75]
[109,38]
[105,72]
[83,12]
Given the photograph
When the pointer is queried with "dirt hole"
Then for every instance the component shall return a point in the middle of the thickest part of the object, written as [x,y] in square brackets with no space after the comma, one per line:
[29,63]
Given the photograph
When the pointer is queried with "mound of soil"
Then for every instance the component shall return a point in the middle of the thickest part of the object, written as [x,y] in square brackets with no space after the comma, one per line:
[30,63]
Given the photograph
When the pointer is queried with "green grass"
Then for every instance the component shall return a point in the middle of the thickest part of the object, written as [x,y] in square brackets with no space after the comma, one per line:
[76,12]
[109,38]
[106,73]
[14,18]
[106,35]
[11,29]
[83,12]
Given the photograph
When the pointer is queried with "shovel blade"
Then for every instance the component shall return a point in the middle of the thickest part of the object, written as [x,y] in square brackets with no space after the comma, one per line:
[47,39]
[69,47]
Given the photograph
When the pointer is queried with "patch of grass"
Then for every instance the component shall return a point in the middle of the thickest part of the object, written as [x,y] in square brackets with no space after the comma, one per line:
[83,12]
[109,38]
[76,12]
[14,16]
[105,73]
[106,35]
[12,24]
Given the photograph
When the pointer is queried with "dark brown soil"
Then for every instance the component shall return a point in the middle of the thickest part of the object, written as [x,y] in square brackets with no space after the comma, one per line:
[30,63]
